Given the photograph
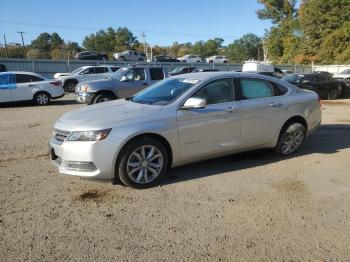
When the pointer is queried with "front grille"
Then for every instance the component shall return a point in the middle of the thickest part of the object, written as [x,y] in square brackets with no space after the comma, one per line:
[61,135]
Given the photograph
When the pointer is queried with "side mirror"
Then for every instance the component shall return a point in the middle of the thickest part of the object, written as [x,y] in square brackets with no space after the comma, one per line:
[193,103]
[123,79]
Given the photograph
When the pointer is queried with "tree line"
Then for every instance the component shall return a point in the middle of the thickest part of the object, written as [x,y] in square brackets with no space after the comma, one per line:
[316,31]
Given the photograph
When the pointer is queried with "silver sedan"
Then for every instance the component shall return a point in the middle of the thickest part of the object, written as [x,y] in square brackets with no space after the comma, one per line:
[180,120]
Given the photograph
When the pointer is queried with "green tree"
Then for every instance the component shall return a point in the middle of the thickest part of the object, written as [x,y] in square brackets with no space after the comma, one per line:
[247,47]
[325,27]
[42,42]
[284,36]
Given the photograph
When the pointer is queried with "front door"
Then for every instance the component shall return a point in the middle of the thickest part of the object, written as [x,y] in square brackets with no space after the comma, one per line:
[133,82]
[214,129]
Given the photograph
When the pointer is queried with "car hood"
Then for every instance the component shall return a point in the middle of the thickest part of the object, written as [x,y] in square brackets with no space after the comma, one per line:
[57,75]
[105,115]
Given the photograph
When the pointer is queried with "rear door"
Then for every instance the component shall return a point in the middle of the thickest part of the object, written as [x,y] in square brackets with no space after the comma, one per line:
[26,84]
[262,109]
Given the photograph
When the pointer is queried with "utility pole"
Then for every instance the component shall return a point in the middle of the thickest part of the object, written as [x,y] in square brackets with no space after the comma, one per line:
[144,42]
[7,53]
[24,48]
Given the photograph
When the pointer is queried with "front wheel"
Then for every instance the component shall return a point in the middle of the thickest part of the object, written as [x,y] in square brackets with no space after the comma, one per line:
[291,139]
[103,98]
[143,163]
[41,99]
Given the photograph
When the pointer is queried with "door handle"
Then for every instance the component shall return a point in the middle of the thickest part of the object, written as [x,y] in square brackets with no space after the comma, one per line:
[275,104]
[231,109]
[31,85]
[144,84]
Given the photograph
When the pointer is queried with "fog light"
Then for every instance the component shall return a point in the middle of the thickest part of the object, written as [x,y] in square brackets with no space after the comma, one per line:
[81,166]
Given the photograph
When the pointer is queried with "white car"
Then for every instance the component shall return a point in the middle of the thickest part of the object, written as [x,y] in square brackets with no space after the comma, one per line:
[28,86]
[83,74]
[217,59]
[344,76]
[190,59]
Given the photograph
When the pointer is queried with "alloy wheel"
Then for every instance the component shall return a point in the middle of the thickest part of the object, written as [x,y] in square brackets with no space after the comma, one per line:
[144,164]
[293,142]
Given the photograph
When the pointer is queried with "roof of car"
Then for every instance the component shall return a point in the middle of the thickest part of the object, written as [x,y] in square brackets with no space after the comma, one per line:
[204,76]
[21,72]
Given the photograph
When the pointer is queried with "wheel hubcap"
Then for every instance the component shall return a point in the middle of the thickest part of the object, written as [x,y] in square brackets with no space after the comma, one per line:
[144,164]
[292,142]
[42,99]
[105,99]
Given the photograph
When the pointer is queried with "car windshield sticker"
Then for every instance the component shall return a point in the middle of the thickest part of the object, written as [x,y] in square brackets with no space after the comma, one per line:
[190,81]
[7,81]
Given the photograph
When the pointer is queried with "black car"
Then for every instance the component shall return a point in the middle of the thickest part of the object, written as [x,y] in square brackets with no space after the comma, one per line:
[323,84]
[90,55]
[2,68]
[163,58]
[181,70]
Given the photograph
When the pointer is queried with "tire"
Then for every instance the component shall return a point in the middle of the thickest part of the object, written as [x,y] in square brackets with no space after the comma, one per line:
[133,168]
[291,139]
[122,58]
[103,98]
[140,60]
[198,61]
[332,94]
[210,62]
[225,62]
[70,86]
[41,99]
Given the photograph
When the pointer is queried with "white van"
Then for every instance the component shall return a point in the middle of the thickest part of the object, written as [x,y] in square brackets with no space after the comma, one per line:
[254,66]
[28,86]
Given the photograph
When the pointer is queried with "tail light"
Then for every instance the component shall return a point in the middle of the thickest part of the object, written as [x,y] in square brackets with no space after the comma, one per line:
[56,83]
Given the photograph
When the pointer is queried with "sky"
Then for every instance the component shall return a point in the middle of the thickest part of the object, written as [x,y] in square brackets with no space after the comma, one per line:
[163,22]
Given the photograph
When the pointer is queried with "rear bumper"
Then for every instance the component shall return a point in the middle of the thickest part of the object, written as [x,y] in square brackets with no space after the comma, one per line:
[85,98]
[57,97]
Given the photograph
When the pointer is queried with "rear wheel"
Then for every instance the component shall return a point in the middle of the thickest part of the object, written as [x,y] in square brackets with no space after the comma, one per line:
[103,98]
[332,94]
[122,58]
[291,139]
[140,60]
[41,99]
[143,163]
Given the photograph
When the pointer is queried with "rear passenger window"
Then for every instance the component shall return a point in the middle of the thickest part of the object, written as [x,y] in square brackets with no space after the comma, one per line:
[156,73]
[279,90]
[23,78]
[101,70]
[321,78]
[310,78]
[36,79]
[255,88]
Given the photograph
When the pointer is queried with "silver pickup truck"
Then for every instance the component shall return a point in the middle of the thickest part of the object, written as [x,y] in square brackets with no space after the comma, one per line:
[125,82]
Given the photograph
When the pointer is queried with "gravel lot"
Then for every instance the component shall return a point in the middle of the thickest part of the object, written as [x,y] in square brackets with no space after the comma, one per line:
[248,207]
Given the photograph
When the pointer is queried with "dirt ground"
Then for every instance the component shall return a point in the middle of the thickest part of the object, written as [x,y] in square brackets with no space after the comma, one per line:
[248,207]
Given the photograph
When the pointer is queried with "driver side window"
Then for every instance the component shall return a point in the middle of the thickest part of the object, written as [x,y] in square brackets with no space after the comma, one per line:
[137,74]
[217,92]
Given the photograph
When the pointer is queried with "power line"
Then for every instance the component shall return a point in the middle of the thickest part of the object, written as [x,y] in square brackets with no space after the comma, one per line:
[132,29]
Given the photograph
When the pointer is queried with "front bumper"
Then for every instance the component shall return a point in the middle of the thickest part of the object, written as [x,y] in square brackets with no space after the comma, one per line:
[85,98]
[88,159]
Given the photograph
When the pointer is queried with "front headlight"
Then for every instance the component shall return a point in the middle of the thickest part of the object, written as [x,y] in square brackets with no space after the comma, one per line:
[84,88]
[95,135]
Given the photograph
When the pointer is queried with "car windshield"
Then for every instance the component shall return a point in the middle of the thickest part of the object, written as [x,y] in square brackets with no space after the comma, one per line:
[76,70]
[120,72]
[176,70]
[292,78]
[164,92]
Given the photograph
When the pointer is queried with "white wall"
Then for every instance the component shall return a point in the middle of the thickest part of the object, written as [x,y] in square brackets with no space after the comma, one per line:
[330,68]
